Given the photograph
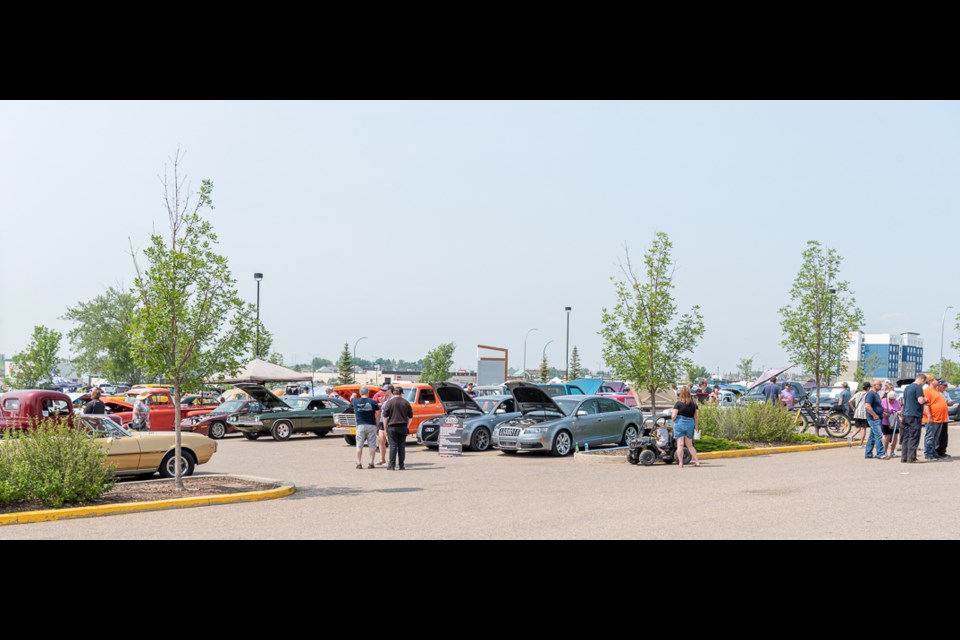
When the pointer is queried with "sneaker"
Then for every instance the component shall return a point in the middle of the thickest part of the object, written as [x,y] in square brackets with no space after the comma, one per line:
[359,466]
[868,457]
[945,456]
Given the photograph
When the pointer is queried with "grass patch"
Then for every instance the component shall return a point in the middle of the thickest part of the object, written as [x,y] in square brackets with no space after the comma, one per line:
[807,438]
[709,443]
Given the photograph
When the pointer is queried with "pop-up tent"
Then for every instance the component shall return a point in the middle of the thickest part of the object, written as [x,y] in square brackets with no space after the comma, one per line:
[262,371]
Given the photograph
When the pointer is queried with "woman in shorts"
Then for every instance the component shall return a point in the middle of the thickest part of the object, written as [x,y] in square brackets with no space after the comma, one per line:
[685,415]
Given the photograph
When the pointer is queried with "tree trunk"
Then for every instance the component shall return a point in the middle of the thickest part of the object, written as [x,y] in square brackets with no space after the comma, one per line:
[653,402]
[178,472]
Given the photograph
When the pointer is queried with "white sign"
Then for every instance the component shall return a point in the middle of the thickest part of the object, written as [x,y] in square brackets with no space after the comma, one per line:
[451,434]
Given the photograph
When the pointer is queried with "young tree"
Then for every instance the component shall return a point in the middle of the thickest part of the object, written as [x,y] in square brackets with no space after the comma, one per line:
[437,363]
[101,340]
[544,369]
[951,371]
[574,364]
[266,342]
[645,341]
[821,312]
[345,365]
[745,369]
[33,367]
[694,371]
[874,366]
[319,363]
[189,323]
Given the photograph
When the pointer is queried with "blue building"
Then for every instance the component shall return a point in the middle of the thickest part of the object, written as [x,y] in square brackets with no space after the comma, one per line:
[886,355]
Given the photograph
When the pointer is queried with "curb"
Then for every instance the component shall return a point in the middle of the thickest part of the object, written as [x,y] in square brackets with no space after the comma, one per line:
[49,515]
[598,458]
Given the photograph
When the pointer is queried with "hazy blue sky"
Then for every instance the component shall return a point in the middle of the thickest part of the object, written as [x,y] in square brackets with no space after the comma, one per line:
[488,218]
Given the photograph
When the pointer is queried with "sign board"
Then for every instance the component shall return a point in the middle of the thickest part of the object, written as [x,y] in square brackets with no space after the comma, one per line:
[451,434]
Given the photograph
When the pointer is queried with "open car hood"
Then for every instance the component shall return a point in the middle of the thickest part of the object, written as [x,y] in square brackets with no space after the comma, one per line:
[530,397]
[262,395]
[589,386]
[452,397]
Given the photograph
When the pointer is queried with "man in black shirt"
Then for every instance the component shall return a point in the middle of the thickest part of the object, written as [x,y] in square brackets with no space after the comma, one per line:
[95,406]
[397,414]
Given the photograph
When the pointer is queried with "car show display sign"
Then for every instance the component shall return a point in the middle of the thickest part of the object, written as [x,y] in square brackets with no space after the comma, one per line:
[451,432]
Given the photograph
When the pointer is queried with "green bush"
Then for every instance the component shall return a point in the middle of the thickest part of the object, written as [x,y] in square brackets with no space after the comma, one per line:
[54,463]
[709,443]
[807,437]
[755,422]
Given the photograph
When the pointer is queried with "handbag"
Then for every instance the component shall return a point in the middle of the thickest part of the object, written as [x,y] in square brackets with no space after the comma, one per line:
[696,434]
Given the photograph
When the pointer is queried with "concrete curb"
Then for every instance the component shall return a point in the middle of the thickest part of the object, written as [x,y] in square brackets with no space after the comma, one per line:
[49,515]
[595,457]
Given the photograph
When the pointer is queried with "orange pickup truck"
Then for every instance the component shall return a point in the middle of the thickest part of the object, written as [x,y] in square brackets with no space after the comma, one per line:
[421,397]
[161,410]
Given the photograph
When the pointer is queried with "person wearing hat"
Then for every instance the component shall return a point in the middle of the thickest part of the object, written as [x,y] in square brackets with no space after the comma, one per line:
[935,416]
[942,444]
[843,400]
[141,413]
[381,397]
[891,420]
[470,391]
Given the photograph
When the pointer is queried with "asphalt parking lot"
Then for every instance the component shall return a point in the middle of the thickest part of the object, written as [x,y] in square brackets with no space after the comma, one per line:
[832,494]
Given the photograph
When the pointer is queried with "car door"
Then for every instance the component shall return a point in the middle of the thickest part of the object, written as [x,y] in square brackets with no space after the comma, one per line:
[122,452]
[427,407]
[161,413]
[321,415]
[614,420]
[588,427]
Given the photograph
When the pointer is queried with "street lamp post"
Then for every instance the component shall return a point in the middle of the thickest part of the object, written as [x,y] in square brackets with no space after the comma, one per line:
[544,356]
[258,277]
[567,376]
[525,351]
[942,322]
[354,361]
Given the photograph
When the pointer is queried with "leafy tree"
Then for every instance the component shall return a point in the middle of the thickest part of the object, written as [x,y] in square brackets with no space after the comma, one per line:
[437,363]
[816,322]
[859,375]
[101,340]
[189,323]
[319,363]
[874,366]
[745,368]
[544,369]
[276,358]
[644,338]
[951,371]
[32,367]
[266,341]
[694,371]
[345,365]
[574,364]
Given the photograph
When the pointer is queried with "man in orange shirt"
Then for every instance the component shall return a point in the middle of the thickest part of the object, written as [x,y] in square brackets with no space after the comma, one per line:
[935,416]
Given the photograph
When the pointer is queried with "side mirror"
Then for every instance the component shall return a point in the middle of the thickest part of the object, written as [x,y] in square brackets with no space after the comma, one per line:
[581,413]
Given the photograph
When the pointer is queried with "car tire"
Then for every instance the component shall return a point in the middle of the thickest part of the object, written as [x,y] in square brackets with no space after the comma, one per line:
[480,441]
[216,430]
[251,436]
[562,444]
[351,440]
[509,452]
[322,433]
[633,457]
[629,433]
[187,464]
[281,430]
[648,457]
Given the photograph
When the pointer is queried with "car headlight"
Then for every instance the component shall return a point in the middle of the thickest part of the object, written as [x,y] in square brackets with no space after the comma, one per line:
[535,430]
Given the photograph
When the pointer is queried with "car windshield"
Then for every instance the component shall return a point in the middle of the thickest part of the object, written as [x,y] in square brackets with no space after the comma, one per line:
[490,405]
[337,400]
[567,405]
[297,402]
[953,393]
[229,407]
[103,427]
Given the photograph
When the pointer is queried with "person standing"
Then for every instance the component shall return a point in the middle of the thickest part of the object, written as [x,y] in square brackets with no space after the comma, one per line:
[860,414]
[676,391]
[95,406]
[788,397]
[890,424]
[470,391]
[913,404]
[397,416]
[944,437]
[935,416]
[141,413]
[685,419]
[771,392]
[843,400]
[382,397]
[874,409]
[367,412]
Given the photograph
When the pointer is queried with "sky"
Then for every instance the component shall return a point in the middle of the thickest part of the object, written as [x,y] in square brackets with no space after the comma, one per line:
[417,223]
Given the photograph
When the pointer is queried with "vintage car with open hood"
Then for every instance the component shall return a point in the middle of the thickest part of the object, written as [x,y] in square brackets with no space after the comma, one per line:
[281,418]
[560,424]
[480,416]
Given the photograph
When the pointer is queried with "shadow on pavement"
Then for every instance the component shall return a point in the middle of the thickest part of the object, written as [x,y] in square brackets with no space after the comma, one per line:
[323,492]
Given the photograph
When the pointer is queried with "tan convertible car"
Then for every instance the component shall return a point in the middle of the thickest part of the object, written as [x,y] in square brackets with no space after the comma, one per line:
[136,452]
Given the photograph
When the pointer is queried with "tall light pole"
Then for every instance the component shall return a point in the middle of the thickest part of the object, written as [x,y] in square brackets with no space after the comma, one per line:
[258,277]
[354,361]
[544,357]
[525,350]
[942,322]
[567,375]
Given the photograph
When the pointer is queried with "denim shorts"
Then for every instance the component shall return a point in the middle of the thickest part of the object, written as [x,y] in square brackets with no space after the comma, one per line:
[683,427]
[367,433]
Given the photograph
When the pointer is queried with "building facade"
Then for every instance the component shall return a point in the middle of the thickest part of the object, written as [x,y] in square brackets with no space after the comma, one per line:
[884,355]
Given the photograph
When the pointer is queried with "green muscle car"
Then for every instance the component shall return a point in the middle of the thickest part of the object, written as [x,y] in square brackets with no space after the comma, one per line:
[282,417]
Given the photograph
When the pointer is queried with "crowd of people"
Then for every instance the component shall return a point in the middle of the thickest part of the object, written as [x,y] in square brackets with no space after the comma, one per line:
[383,422]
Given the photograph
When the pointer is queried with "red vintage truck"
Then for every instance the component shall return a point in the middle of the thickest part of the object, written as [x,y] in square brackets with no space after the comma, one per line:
[160,402]
[18,409]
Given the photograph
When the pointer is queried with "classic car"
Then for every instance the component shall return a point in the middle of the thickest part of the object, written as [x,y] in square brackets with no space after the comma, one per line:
[490,390]
[480,416]
[199,400]
[19,409]
[282,418]
[561,389]
[612,389]
[162,411]
[134,453]
[560,424]
[214,424]
[422,399]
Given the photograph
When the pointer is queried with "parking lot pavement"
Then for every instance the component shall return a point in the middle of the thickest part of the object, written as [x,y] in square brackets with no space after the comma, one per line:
[832,494]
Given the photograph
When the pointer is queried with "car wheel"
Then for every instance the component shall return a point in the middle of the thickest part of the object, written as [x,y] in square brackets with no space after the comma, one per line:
[648,457]
[628,434]
[562,444]
[480,440]
[633,457]
[322,433]
[251,436]
[168,465]
[281,430]
[351,440]
[217,430]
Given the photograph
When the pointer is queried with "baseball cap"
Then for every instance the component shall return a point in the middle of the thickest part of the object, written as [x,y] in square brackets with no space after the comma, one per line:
[942,381]
[386,387]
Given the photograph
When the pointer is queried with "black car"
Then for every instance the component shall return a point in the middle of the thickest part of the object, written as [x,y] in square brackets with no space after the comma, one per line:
[952,394]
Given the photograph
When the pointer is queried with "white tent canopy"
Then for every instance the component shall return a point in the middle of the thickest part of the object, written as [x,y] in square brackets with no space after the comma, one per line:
[262,371]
